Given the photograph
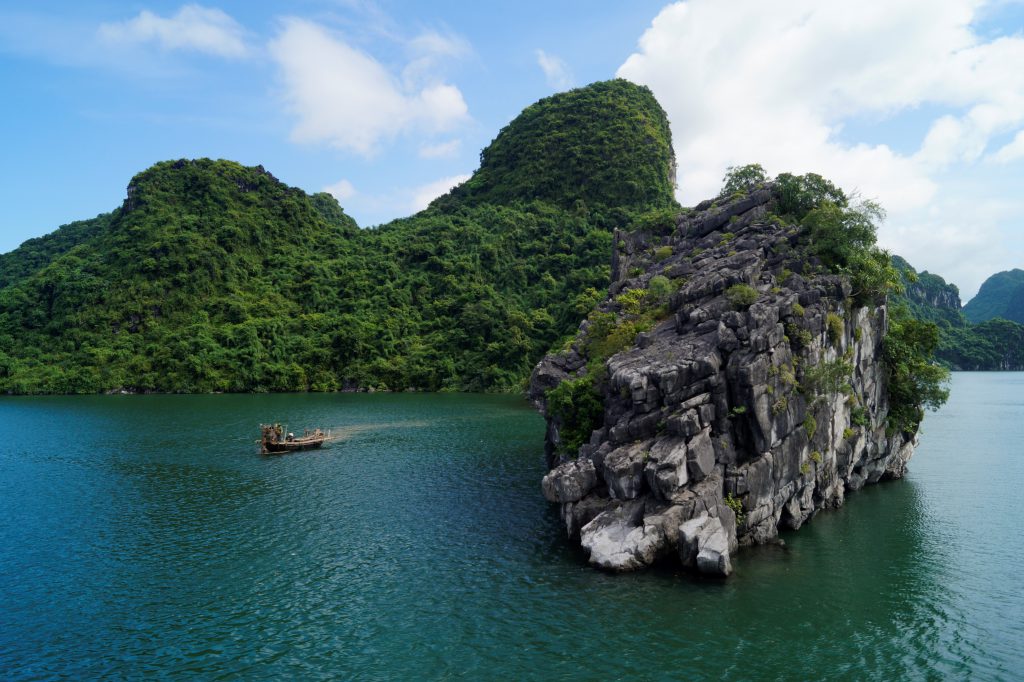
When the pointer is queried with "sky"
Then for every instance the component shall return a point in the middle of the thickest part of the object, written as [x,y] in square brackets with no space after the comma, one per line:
[918,104]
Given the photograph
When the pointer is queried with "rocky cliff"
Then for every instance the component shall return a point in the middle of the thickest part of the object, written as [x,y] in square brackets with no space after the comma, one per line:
[752,397]
[928,296]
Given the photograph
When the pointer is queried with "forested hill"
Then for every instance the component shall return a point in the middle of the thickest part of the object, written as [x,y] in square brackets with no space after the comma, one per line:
[1001,295]
[993,344]
[217,277]
[602,147]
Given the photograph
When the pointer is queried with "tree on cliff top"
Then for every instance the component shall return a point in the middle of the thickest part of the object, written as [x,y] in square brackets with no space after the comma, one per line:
[743,179]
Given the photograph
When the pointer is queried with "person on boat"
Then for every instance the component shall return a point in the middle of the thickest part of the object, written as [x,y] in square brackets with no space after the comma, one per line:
[277,432]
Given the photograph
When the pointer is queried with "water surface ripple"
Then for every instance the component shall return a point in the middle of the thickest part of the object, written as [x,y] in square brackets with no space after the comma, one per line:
[143,536]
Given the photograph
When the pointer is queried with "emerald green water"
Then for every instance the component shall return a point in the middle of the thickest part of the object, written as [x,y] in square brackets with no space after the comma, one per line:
[144,536]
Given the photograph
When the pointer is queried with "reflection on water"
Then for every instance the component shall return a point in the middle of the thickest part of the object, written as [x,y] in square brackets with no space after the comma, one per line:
[145,534]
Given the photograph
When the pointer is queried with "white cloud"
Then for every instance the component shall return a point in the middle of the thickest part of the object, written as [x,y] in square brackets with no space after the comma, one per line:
[556,71]
[963,241]
[348,99]
[194,27]
[428,51]
[437,44]
[774,81]
[440,150]
[424,194]
[1012,151]
[342,190]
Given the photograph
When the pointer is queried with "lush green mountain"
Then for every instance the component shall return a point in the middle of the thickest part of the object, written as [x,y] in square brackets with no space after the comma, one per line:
[36,253]
[1001,295]
[995,344]
[603,146]
[213,276]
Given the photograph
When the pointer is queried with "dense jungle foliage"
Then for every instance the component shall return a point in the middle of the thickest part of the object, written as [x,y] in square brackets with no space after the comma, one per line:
[217,277]
[602,147]
[995,344]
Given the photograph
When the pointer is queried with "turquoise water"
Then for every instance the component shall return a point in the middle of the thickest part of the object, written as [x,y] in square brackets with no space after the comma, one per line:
[144,536]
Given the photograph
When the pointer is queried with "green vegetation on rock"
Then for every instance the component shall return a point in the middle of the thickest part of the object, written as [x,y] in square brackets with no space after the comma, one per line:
[741,296]
[834,324]
[915,383]
[995,344]
[736,505]
[577,403]
[841,237]
[927,296]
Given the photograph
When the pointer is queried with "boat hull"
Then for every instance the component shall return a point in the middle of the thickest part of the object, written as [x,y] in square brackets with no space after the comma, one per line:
[292,446]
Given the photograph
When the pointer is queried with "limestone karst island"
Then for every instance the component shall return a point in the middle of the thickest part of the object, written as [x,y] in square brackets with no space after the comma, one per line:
[632,399]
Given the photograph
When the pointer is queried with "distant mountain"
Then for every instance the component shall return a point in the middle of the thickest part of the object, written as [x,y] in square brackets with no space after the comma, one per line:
[1001,295]
[213,276]
[993,344]
[929,297]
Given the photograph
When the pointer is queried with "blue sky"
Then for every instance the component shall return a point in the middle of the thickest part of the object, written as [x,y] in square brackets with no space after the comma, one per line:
[919,104]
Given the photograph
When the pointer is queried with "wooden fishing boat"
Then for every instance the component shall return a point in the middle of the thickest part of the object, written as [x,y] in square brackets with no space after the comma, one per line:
[275,440]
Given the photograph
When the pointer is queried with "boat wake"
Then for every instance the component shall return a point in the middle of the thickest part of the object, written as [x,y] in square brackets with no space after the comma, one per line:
[345,432]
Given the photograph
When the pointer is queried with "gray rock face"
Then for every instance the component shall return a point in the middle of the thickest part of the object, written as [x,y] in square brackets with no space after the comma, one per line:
[713,556]
[622,539]
[578,514]
[700,456]
[687,545]
[665,471]
[720,424]
[570,481]
[704,545]
[623,470]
